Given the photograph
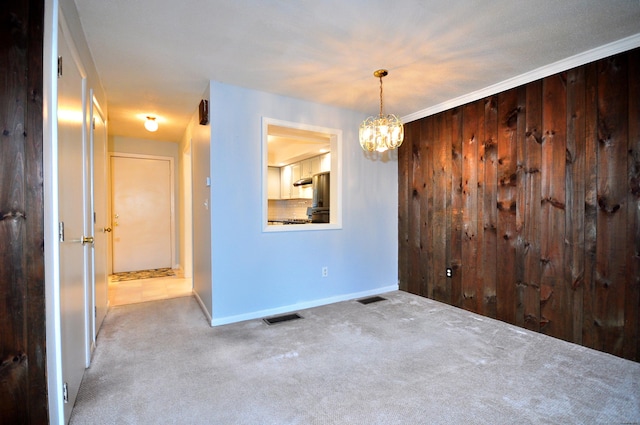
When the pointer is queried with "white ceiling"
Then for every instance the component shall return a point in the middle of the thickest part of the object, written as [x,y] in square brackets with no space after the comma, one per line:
[287,145]
[156,57]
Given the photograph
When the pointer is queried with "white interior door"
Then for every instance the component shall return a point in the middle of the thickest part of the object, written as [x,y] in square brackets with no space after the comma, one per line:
[72,215]
[142,212]
[101,222]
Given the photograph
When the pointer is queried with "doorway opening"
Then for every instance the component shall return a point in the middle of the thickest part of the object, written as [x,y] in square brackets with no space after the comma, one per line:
[143,237]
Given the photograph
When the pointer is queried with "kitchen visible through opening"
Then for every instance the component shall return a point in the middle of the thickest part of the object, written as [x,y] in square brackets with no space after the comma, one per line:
[301,178]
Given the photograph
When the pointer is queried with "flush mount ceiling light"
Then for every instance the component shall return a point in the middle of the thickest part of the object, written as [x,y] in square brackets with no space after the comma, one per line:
[151,124]
[383,132]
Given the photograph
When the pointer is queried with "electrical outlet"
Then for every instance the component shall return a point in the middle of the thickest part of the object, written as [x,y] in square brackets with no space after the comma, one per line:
[325,271]
[449,272]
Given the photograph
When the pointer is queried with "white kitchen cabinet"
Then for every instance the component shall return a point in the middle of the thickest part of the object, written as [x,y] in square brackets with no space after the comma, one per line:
[325,163]
[310,167]
[296,174]
[286,184]
[305,168]
[291,173]
[315,165]
[273,183]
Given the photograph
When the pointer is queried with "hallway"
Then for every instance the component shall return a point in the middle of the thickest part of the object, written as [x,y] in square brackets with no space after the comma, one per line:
[152,289]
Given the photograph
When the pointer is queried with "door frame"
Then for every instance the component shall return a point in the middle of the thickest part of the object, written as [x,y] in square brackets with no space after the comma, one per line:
[186,212]
[95,110]
[51,247]
[172,192]
[58,371]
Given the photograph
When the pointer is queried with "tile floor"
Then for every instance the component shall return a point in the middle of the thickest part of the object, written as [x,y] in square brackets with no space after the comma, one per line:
[142,290]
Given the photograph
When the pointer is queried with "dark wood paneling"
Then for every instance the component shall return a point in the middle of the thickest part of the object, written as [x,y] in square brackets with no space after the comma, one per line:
[456,235]
[532,197]
[403,209]
[553,289]
[610,273]
[507,234]
[520,196]
[415,176]
[487,209]
[23,390]
[632,295]
[590,205]
[426,189]
[575,197]
[471,133]
[446,198]
[441,199]
[34,252]
[531,208]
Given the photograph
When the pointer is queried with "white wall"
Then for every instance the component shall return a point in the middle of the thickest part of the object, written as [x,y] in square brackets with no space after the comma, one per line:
[256,273]
[143,146]
[186,202]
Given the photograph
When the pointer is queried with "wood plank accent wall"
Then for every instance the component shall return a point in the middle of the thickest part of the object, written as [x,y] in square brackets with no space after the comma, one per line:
[532,197]
[23,384]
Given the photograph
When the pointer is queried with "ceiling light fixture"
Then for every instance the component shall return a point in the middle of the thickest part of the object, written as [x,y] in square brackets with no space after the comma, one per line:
[383,132]
[151,124]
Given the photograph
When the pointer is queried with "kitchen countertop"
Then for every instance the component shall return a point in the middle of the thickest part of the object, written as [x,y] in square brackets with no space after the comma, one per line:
[289,221]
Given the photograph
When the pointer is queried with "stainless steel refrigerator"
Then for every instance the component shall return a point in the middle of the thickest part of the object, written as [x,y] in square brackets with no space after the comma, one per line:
[321,198]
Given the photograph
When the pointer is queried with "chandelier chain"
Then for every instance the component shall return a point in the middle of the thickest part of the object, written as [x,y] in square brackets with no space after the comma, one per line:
[381,96]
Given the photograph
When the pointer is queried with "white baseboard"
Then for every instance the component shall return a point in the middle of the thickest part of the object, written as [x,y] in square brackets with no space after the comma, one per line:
[299,306]
[202,307]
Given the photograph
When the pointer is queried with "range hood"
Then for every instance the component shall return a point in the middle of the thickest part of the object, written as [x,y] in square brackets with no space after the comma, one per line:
[303,182]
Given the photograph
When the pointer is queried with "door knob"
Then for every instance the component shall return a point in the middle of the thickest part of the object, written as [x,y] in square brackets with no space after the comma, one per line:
[87,239]
[107,230]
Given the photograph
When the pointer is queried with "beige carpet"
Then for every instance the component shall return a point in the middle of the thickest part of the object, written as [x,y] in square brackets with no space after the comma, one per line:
[406,360]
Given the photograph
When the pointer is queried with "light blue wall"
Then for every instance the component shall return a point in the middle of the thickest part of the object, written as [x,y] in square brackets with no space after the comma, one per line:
[256,273]
[201,213]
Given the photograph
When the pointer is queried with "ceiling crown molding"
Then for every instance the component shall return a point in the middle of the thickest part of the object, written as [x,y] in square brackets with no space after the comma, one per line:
[580,59]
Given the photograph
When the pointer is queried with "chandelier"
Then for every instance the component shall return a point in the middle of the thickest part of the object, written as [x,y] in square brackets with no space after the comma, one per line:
[383,132]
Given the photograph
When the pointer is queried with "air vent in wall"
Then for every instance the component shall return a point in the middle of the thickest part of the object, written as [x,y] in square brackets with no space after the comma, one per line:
[371,300]
[283,318]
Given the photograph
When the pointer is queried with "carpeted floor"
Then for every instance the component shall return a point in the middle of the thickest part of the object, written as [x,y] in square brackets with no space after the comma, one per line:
[406,360]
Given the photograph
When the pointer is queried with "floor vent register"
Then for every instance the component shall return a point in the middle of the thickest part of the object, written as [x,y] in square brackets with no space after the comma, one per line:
[371,300]
[279,319]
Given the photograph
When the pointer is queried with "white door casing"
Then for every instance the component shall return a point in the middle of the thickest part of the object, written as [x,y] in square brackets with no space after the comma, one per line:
[72,184]
[142,212]
[101,223]
[187,213]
